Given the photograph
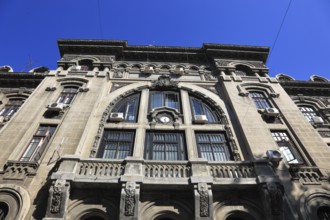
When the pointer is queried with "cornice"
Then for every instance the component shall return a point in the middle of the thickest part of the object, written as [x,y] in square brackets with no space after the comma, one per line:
[123,51]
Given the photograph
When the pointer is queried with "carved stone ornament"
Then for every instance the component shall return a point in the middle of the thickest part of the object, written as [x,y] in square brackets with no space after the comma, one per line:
[165,81]
[129,198]
[56,197]
[204,199]
[274,197]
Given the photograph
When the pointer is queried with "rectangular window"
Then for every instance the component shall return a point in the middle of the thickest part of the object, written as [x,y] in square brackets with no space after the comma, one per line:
[212,146]
[165,146]
[38,143]
[287,147]
[116,144]
[260,100]
[164,99]
[67,95]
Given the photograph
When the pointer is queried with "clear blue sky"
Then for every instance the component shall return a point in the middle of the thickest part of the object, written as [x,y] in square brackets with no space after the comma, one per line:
[30,28]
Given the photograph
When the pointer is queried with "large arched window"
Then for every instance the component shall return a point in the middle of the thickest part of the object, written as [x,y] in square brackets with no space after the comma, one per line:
[323,213]
[3,210]
[200,109]
[126,109]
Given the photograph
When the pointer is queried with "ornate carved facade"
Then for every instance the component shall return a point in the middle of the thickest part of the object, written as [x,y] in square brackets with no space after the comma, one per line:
[148,132]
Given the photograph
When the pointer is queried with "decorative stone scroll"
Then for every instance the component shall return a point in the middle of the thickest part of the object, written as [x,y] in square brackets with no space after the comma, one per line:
[56,197]
[130,198]
[203,199]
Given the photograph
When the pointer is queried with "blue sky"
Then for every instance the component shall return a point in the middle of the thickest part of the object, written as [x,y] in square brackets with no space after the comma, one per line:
[30,29]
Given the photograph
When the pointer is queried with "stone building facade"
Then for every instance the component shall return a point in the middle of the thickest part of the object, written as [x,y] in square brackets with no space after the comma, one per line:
[153,132]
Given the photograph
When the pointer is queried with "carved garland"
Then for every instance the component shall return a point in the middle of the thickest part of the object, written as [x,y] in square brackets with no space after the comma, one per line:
[56,197]
[129,198]
[203,199]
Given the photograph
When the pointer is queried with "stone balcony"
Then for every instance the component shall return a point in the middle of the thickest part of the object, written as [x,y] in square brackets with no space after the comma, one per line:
[99,171]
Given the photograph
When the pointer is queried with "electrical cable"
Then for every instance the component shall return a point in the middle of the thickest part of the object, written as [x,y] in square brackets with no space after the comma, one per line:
[279,30]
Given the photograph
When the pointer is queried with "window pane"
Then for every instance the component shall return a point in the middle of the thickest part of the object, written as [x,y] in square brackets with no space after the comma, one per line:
[38,143]
[116,144]
[286,147]
[213,147]
[129,107]
[156,100]
[171,101]
[260,100]
[164,146]
[197,108]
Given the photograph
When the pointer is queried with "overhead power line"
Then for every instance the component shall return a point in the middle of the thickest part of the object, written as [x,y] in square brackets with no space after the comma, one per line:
[279,30]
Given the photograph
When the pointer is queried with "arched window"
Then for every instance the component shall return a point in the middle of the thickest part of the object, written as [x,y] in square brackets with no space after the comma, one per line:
[308,112]
[260,100]
[159,99]
[85,64]
[11,108]
[67,95]
[3,210]
[323,213]
[242,70]
[128,107]
[200,108]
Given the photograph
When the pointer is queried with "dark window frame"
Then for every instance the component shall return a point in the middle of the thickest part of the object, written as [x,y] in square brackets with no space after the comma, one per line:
[164,94]
[214,119]
[287,146]
[105,150]
[38,143]
[68,94]
[260,100]
[212,151]
[125,101]
[168,146]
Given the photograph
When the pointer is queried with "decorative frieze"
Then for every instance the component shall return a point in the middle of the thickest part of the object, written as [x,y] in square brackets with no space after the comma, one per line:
[18,170]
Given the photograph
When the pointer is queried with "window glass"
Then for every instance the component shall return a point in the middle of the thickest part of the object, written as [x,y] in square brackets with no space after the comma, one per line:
[287,147]
[164,99]
[116,144]
[11,108]
[165,146]
[38,143]
[201,108]
[212,146]
[67,95]
[323,213]
[260,100]
[129,107]
[308,112]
